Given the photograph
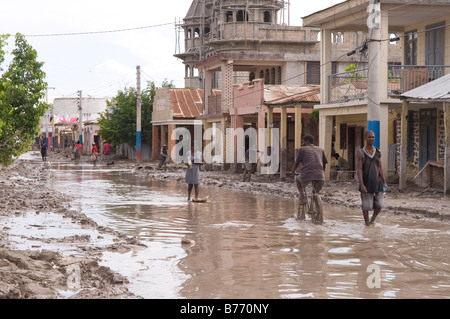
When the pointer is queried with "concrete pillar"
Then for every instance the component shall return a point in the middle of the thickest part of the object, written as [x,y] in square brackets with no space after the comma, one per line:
[227,80]
[226,143]
[446,109]
[283,144]
[298,129]
[269,125]
[325,127]
[171,143]
[384,137]
[384,47]
[325,70]
[207,88]
[403,146]
[237,122]
[261,133]
[164,134]
[207,139]
[155,142]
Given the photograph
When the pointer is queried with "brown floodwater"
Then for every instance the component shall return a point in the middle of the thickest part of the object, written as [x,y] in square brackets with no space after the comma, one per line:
[250,246]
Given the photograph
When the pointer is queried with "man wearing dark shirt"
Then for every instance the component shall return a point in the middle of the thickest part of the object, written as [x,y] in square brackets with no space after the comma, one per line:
[312,162]
[371,178]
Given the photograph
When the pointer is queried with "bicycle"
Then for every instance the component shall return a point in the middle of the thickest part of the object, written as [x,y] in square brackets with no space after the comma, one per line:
[312,206]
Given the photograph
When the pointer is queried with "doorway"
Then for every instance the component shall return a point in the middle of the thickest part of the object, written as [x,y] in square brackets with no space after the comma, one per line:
[427,136]
[355,138]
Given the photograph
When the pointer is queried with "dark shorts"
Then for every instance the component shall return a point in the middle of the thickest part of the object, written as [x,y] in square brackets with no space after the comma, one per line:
[317,185]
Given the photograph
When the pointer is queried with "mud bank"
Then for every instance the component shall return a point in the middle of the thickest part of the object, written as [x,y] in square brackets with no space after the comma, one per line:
[47,274]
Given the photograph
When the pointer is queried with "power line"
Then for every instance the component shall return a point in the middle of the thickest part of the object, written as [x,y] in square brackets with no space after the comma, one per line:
[98,32]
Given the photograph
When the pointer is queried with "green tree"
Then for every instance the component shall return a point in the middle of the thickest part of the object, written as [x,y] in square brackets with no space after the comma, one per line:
[22,89]
[118,123]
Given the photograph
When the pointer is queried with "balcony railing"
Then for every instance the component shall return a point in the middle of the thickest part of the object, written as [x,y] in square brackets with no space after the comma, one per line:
[215,104]
[353,85]
[403,78]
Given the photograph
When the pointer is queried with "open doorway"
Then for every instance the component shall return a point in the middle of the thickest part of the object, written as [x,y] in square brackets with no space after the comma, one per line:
[355,141]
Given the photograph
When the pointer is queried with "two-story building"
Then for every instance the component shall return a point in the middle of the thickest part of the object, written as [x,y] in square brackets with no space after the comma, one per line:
[412,132]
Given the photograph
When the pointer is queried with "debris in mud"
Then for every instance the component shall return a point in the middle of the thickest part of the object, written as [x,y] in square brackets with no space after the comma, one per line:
[43,275]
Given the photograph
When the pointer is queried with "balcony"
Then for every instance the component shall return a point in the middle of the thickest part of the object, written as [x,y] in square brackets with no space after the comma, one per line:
[215,104]
[352,85]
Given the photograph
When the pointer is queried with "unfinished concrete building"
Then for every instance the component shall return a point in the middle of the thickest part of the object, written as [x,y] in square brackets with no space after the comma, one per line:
[237,41]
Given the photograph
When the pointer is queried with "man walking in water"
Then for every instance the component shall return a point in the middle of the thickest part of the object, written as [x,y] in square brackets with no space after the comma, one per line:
[371,178]
[313,162]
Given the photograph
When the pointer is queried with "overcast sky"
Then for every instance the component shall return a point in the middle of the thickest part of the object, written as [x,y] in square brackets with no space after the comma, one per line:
[99,64]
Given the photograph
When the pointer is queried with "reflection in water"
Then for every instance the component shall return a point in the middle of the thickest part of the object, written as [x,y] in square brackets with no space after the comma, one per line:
[249,246]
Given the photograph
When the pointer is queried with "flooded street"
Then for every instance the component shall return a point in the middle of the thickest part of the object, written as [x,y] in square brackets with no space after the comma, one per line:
[250,246]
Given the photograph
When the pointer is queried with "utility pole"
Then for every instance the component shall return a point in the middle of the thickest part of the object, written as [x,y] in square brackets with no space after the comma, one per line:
[80,117]
[373,78]
[53,118]
[138,115]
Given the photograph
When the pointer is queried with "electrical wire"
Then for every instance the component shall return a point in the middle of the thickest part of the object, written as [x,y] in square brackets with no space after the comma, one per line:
[98,32]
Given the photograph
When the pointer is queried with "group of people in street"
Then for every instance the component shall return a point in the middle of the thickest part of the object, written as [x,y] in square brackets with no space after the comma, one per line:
[311,162]
[77,150]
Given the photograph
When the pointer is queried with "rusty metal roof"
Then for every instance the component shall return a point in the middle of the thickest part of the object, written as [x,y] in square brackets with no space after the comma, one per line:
[187,103]
[288,94]
[438,89]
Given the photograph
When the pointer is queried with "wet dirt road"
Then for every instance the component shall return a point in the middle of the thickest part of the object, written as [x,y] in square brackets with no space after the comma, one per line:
[250,246]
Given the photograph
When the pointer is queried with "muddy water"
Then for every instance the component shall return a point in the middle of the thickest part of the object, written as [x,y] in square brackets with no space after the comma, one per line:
[249,246]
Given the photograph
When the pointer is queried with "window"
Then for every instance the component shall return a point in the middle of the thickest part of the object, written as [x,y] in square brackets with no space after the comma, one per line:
[229,16]
[313,72]
[337,37]
[241,16]
[411,48]
[279,75]
[251,76]
[267,17]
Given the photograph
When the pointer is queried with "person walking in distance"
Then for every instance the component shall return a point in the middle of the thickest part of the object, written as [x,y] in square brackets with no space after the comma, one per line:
[194,160]
[371,179]
[163,157]
[312,162]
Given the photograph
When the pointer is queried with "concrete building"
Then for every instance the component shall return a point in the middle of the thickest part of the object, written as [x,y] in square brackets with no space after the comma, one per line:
[232,42]
[415,129]
[63,117]
[174,108]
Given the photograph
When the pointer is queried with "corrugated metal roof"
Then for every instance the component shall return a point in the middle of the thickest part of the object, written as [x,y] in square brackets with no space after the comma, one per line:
[438,89]
[285,94]
[187,103]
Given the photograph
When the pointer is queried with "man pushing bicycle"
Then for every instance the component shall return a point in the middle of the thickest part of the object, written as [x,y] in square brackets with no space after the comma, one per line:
[312,170]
